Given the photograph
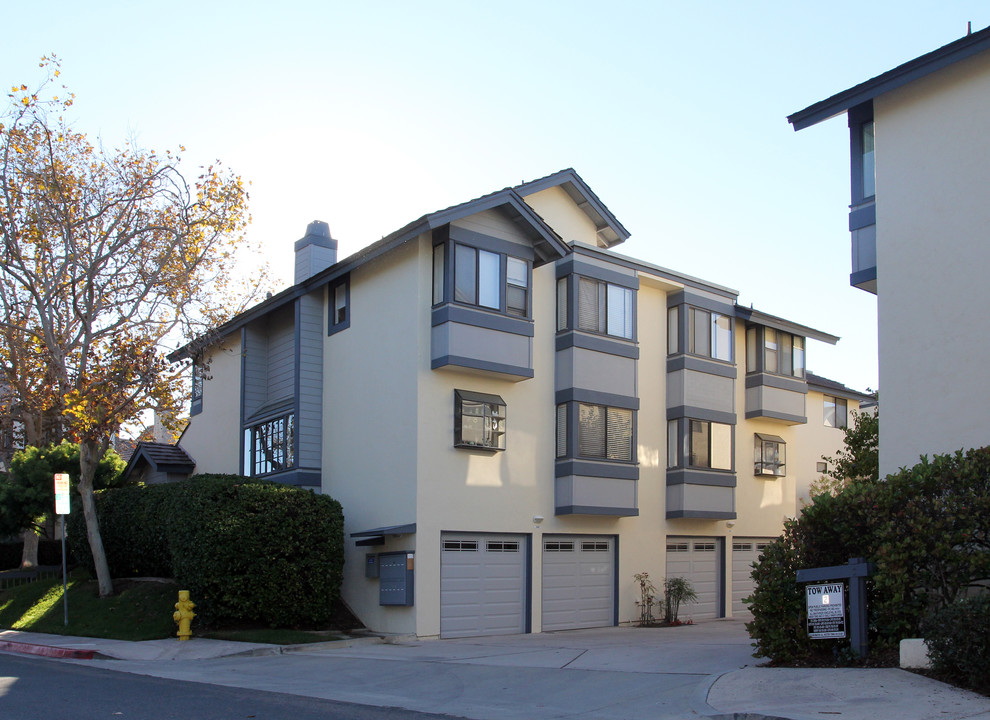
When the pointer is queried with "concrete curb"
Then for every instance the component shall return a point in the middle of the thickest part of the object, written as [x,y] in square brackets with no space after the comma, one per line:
[46,650]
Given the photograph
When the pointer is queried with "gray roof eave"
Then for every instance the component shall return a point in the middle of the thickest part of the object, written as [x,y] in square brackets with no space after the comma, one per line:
[777,323]
[901,75]
[548,241]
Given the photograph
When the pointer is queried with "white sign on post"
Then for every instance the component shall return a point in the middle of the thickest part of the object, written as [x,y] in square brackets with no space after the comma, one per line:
[61,493]
[826,611]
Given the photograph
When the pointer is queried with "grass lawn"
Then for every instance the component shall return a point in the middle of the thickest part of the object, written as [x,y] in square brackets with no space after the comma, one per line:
[140,610]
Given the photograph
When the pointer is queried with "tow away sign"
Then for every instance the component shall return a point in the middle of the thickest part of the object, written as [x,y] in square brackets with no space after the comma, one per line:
[826,611]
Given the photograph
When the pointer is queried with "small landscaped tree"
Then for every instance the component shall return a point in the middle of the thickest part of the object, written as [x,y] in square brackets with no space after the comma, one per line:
[105,255]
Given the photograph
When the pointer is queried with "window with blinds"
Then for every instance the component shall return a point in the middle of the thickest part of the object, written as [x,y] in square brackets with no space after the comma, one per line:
[605,432]
[605,308]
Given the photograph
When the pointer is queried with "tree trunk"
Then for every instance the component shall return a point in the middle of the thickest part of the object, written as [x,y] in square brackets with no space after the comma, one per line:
[89,458]
[29,556]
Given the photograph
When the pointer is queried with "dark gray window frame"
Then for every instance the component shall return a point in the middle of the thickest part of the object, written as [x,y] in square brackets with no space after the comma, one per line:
[198,382]
[572,428]
[503,249]
[858,117]
[683,459]
[333,324]
[488,400]
[761,363]
[779,469]
[287,445]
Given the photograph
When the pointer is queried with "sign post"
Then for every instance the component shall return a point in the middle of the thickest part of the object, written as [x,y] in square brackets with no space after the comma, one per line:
[856,572]
[62,509]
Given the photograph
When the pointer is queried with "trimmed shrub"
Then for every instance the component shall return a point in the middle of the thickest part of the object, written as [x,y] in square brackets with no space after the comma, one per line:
[958,640]
[926,528]
[247,550]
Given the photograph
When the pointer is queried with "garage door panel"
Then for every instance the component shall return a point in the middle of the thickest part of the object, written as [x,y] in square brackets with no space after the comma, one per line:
[745,551]
[482,585]
[578,582]
[697,560]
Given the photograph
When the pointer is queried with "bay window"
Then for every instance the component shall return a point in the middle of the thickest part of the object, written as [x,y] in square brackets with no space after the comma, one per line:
[269,446]
[605,308]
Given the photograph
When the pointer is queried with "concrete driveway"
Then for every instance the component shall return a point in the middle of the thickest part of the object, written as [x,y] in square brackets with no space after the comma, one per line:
[703,670]
[603,673]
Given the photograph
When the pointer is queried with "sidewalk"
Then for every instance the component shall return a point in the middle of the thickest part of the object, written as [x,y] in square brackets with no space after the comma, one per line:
[700,671]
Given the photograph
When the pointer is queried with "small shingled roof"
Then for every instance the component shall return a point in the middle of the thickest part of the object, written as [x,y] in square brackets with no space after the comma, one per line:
[162,457]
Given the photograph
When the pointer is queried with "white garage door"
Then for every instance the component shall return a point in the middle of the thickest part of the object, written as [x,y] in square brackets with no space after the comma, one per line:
[697,560]
[745,551]
[482,584]
[578,582]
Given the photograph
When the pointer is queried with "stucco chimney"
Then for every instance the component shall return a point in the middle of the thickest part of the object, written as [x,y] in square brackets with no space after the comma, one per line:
[315,251]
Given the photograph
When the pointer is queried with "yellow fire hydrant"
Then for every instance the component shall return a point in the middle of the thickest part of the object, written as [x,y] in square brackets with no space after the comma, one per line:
[184,614]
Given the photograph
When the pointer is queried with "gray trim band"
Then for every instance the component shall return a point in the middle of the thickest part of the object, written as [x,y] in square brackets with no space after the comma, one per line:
[700,515]
[696,413]
[593,510]
[691,476]
[686,297]
[703,365]
[594,397]
[863,217]
[594,272]
[781,382]
[477,317]
[597,343]
[774,415]
[475,364]
[601,469]
[481,241]
[861,277]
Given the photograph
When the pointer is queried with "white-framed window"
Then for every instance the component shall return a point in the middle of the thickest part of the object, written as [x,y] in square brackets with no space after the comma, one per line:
[770,455]
[605,308]
[709,334]
[269,446]
[836,412]
[479,420]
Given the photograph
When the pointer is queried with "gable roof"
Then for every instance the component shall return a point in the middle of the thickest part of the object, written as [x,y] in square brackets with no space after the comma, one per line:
[901,75]
[610,230]
[162,457]
[547,244]
[748,314]
[835,388]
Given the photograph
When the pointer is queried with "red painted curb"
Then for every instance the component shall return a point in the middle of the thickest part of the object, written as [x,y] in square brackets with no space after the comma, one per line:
[46,650]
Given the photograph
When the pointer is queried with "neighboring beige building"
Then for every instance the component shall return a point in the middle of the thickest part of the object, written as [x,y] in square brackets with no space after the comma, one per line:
[919,215]
[516,418]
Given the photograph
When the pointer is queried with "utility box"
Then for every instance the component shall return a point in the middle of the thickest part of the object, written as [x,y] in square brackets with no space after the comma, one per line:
[395,578]
[371,565]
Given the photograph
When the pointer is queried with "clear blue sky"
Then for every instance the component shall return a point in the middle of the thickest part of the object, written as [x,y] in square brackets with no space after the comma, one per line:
[368,115]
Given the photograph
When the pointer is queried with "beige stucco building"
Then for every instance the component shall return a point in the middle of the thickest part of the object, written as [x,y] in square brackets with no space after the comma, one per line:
[516,418]
[920,159]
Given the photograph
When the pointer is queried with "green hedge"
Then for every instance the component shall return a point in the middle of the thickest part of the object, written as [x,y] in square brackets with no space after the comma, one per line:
[958,640]
[927,528]
[246,550]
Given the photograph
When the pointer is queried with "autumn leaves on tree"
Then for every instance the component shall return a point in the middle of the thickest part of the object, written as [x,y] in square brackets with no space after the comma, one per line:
[104,256]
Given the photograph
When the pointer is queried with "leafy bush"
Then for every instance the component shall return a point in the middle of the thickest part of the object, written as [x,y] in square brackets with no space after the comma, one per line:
[958,640]
[926,528]
[245,549]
